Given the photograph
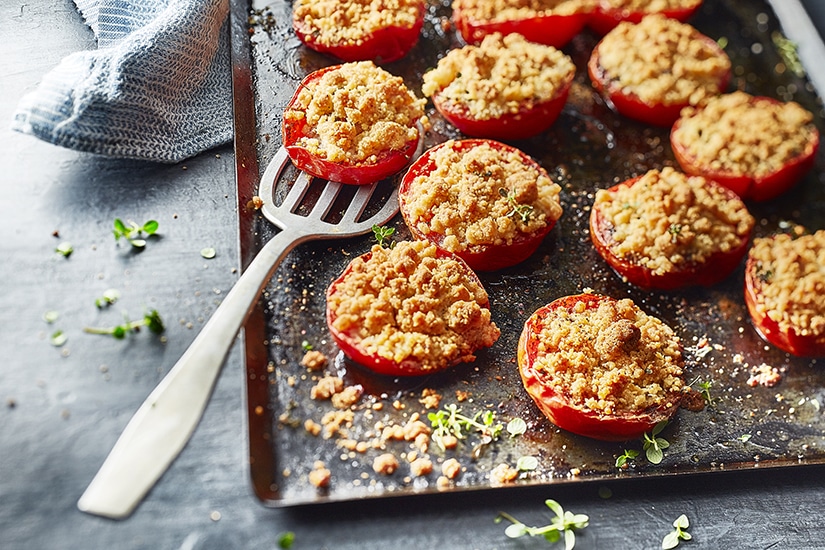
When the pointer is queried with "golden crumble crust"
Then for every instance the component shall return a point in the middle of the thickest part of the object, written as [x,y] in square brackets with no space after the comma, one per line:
[332,22]
[508,10]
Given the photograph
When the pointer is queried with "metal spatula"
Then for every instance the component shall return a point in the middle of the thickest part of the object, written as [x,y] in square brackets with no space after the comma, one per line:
[165,421]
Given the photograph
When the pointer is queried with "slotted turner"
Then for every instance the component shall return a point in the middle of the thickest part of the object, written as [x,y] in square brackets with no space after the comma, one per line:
[164,422]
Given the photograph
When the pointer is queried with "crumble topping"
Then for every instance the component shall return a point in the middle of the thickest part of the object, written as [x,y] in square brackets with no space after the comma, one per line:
[612,358]
[508,10]
[743,134]
[647,6]
[408,303]
[662,60]
[355,112]
[332,22]
[791,273]
[502,75]
[668,220]
[462,199]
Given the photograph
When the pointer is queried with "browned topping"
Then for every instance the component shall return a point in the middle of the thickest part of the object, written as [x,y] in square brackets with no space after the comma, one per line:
[668,220]
[335,422]
[745,135]
[326,387]
[385,464]
[648,6]
[408,303]
[791,282]
[502,75]
[331,22]
[764,375]
[355,112]
[347,397]
[508,10]
[462,197]
[314,360]
[661,60]
[583,356]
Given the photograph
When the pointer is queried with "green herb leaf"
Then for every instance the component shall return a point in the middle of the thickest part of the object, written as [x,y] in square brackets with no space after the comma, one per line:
[65,249]
[151,320]
[562,525]
[516,427]
[51,316]
[286,540]
[133,232]
[58,338]
[208,253]
[383,235]
[680,525]
[109,297]
[527,463]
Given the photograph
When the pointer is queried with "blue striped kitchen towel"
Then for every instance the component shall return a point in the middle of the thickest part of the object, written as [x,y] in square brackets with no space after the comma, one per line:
[158,87]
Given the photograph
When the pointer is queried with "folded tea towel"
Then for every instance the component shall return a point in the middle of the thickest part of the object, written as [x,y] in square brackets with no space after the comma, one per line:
[157,88]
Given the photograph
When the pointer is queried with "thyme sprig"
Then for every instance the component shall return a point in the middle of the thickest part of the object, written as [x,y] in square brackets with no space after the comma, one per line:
[450,421]
[523,211]
[150,320]
[133,232]
[653,445]
[563,525]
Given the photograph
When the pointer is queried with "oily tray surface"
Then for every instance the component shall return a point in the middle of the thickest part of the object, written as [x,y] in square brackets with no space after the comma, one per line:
[588,148]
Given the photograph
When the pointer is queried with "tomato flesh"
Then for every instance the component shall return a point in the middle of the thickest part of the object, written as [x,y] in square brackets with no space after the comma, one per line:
[491,257]
[389,162]
[384,45]
[525,123]
[785,339]
[750,187]
[351,345]
[604,19]
[550,30]
[631,105]
[560,409]
[714,270]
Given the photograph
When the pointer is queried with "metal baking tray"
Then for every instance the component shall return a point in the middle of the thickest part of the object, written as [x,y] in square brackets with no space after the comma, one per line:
[588,148]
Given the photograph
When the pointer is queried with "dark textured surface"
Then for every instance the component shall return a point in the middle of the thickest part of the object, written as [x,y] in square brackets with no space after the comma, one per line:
[63,409]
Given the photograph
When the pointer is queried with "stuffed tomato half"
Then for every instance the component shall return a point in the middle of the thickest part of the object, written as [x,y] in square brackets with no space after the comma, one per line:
[600,367]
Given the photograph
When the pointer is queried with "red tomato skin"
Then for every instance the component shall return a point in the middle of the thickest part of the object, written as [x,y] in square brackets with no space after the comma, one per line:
[389,162]
[786,340]
[385,45]
[757,189]
[604,20]
[526,123]
[570,416]
[716,269]
[631,105]
[550,30]
[351,346]
[481,258]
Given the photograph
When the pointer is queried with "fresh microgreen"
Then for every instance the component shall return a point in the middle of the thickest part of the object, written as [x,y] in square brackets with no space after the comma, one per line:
[723,42]
[674,229]
[527,463]
[65,249]
[704,390]
[789,51]
[109,297]
[150,320]
[306,346]
[450,421]
[383,235]
[516,427]
[58,338]
[133,232]
[654,446]
[523,211]
[628,454]
[564,524]
[679,533]
[286,539]
[208,253]
[744,438]
[51,316]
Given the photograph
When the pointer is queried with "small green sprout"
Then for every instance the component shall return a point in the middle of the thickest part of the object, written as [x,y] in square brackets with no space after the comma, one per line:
[109,297]
[704,390]
[286,539]
[744,438]
[151,320]
[622,459]
[58,338]
[65,249]
[450,421]
[306,346]
[789,51]
[654,446]
[674,229]
[133,232]
[208,253]
[51,316]
[563,525]
[516,427]
[679,532]
[523,211]
[383,235]
[527,463]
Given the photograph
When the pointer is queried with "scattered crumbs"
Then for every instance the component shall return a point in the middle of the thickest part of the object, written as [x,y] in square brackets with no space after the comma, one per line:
[450,468]
[421,467]
[11,402]
[312,427]
[575,472]
[385,464]
[503,474]
[215,515]
[314,360]
[259,410]
[461,395]
[764,375]
[326,387]
[430,398]
[320,475]
[398,405]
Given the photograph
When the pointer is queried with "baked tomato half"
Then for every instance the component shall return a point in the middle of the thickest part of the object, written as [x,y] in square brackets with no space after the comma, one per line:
[410,310]
[665,230]
[783,292]
[657,94]
[359,30]
[374,145]
[762,146]
[505,88]
[475,19]
[485,201]
[609,13]
[584,358]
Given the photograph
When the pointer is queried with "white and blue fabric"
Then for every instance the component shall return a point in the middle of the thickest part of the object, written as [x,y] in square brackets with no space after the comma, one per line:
[157,88]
